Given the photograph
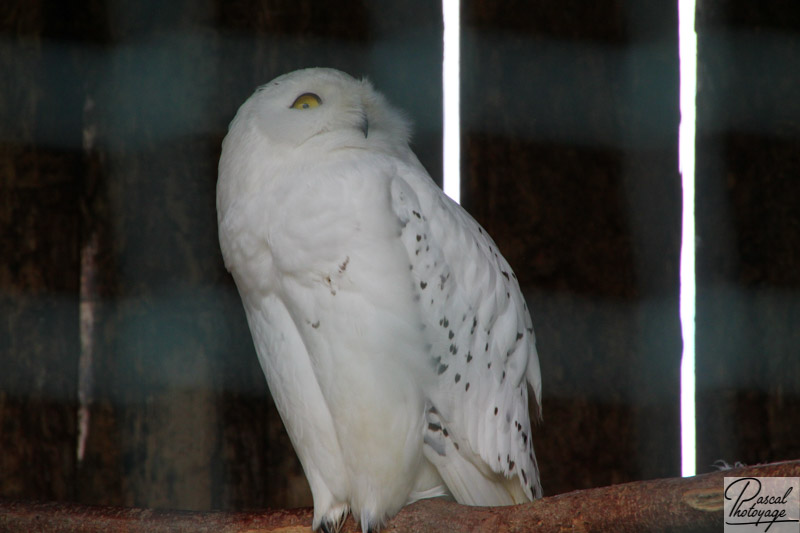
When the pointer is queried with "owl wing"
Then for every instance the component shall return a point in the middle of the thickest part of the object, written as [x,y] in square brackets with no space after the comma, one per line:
[300,402]
[480,343]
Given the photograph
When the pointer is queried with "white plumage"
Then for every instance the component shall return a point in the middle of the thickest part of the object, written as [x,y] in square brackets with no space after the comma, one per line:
[392,333]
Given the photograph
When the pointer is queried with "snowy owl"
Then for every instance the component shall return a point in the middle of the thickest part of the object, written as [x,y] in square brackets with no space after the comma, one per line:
[393,335]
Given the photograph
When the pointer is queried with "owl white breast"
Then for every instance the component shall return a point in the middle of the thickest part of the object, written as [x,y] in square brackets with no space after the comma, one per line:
[393,335]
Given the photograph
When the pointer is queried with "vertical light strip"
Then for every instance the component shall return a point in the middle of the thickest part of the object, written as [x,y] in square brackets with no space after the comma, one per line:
[687,39]
[87,319]
[450,99]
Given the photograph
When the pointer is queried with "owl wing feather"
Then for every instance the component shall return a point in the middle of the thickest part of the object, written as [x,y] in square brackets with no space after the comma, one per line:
[481,347]
[300,402]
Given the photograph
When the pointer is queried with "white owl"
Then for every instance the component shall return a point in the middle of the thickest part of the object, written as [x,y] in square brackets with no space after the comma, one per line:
[392,333]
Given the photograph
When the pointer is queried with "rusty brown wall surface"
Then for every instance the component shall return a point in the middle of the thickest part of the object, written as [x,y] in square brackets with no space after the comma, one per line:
[39,190]
[748,165]
[114,296]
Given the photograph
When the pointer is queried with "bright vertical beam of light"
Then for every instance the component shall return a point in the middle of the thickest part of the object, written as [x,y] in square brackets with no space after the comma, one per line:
[450,99]
[687,39]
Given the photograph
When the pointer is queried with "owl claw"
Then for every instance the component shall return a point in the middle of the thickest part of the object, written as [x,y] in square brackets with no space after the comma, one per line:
[334,520]
[327,526]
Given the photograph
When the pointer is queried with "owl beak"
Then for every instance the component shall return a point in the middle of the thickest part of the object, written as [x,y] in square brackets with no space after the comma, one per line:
[365,126]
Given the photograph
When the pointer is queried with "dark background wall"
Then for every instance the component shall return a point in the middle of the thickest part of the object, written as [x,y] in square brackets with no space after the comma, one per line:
[127,373]
[748,164]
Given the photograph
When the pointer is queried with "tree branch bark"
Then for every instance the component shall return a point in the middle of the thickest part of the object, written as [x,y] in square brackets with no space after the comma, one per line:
[674,504]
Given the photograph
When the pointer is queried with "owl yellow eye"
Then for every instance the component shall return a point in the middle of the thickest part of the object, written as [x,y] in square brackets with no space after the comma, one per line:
[306,101]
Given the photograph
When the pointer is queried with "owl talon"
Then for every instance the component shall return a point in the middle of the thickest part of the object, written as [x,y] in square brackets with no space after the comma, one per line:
[329,526]
[333,520]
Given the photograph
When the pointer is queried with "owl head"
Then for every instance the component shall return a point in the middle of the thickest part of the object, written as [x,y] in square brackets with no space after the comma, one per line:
[300,119]
[320,108]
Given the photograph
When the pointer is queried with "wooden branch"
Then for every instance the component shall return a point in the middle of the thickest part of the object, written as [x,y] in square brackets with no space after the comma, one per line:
[674,504]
